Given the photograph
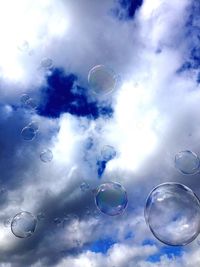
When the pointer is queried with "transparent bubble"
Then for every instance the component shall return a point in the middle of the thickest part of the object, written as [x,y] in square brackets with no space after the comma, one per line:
[173,214]
[101,80]
[187,162]
[108,153]
[84,186]
[28,133]
[46,63]
[24,98]
[23,224]
[111,198]
[34,125]
[46,155]
[30,104]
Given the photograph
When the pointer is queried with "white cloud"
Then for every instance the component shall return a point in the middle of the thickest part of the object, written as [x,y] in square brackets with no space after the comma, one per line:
[154,111]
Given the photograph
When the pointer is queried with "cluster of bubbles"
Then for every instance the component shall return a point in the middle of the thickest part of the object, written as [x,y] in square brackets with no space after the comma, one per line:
[176,205]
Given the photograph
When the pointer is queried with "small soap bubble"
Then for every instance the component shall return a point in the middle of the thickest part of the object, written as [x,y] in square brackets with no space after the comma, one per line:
[108,153]
[172,213]
[187,162]
[101,80]
[23,224]
[28,133]
[46,155]
[84,186]
[111,198]
[24,98]
[30,104]
[46,63]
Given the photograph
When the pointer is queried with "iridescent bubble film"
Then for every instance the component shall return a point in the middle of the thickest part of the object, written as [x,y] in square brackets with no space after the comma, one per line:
[46,155]
[172,213]
[23,224]
[111,198]
[101,80]
[187,162]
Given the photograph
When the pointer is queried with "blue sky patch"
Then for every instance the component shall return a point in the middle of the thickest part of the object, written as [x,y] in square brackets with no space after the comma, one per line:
[127,9]
[102,245]
[62,95]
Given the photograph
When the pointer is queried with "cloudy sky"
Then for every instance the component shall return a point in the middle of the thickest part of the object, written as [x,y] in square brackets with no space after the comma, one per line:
[153,46]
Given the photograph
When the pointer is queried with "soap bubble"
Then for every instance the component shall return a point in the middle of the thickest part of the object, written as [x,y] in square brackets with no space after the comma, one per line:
[24,98]
[28,133]
[46,63]
[172,213]
[101,80]
[187,162]
[108,153]
[84,186]
[46,155]
[111,198]
[23,224]
[30,104]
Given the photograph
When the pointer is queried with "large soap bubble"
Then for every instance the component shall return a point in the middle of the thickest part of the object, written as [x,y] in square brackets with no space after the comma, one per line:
[28,133]
[23,224]
[173,214]
[187,162]
[101,80]
[46,155]
[111,198]
[108,153]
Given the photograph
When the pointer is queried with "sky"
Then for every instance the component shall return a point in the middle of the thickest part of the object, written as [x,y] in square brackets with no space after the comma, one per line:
[153,47]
